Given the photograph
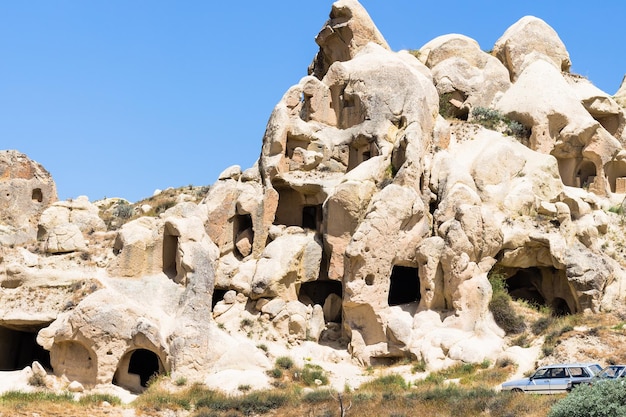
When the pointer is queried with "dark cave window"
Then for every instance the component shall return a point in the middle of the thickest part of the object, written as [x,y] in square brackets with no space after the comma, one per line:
[404,286]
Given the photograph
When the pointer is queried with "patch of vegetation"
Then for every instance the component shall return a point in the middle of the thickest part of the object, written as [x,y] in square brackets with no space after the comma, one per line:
[98,399]
[502,308]
[311,373]
[446,109]
[17,397]
[494,120]
[284,362]
[605,399]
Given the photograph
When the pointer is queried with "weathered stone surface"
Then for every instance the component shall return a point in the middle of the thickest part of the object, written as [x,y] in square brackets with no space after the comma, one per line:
[528,40]
[347,31]
[26,190]
[462,70]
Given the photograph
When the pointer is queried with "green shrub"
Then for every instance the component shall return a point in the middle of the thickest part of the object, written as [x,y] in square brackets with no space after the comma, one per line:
[387,382]
[284,362]
[502,308]
[489,118]
[318,396]
[123,210]
[494,120]
[275,373]
[504,315]
[541,325]
[260,402]
[604,399]
[311,372]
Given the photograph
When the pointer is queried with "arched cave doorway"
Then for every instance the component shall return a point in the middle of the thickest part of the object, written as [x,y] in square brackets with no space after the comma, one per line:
[404,285]
[75,361]
[136,368]
[19,349]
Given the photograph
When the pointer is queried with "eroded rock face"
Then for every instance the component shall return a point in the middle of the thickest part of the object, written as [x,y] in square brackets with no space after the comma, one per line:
[368,220]
[26,190]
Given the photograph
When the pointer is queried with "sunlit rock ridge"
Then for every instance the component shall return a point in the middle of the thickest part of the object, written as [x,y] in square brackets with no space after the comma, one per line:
[389,188]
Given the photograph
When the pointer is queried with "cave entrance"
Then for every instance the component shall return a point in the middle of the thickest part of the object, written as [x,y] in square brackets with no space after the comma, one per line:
[616,173]
[244,234]
[525,284]
[37,195]
[404,286]
[312,217]
[19,349]
[289,210]
[585,174]
[361,149]
[560,307]
[136,369]
[218,295]
[170,253]
[327,293]
[542,287]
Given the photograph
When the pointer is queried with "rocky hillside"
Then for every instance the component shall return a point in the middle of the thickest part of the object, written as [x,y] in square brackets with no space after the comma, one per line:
[393,191]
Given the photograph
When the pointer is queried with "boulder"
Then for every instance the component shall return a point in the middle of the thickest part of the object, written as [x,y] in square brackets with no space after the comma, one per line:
[462,70]
[528,40]
[348,30]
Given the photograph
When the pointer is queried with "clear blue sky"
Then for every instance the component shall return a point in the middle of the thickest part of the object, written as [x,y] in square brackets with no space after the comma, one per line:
[117,98]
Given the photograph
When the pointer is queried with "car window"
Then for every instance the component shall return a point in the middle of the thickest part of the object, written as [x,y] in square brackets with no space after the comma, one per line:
[610,372]
[595,368]
[579,372]
[558,373]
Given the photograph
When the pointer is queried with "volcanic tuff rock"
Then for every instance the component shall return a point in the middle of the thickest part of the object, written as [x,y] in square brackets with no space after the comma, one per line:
[369,221]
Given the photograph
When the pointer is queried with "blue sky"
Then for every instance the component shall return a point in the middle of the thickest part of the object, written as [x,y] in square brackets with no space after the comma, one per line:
[117,98]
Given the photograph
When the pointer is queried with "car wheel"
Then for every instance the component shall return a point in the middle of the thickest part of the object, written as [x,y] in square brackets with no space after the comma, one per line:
[517,390]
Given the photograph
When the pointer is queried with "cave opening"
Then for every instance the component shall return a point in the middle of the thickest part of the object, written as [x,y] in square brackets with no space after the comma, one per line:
[560,307]
[19,349]
[524,285]
[404,286]
[136,369]
[243,233]
[585,174]
[312,217]
[170,250]
[37,195]
[361,149]
[218,295]
[531,284]
[325,292]
[144,363]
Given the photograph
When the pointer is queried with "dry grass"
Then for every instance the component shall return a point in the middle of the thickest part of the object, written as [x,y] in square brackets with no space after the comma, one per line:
[52,405]
[117,213]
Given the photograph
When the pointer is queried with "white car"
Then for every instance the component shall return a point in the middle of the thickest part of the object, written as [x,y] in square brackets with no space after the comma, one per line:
[554,379]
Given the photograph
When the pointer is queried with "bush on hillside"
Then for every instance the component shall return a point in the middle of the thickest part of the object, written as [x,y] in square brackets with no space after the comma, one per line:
[603,399]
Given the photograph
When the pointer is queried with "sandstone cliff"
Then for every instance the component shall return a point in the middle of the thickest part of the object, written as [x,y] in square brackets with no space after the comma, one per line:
[370,221]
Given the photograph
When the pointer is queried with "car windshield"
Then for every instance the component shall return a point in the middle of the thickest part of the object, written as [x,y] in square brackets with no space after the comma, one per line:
[541,373]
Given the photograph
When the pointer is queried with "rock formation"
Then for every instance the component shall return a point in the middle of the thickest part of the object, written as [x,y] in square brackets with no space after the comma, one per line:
[369,220]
